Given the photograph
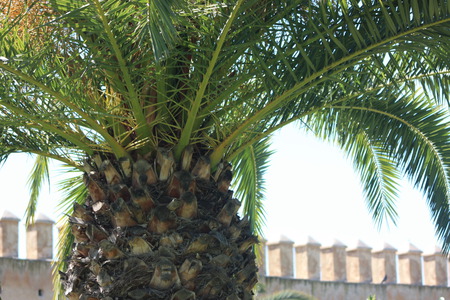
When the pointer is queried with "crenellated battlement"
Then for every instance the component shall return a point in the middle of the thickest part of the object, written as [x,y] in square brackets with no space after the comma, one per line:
[341,272]
[359,264]
[39,237]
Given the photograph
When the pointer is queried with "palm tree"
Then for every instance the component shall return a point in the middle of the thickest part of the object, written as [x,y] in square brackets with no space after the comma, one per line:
[155,101]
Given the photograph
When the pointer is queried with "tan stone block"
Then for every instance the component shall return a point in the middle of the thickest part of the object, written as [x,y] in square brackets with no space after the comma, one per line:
[40,238]
[333,262]
[435,269]
[410,266]
[307,257]
[281,258]
[384,268]
[359,263]
[9,235]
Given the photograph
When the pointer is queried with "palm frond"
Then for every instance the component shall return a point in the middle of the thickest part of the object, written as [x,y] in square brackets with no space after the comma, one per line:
[195,107]
[379,176]
[305,38]
[39,175]
[74,191]
[160,24]
[391,133]
[126,77]
[249,169]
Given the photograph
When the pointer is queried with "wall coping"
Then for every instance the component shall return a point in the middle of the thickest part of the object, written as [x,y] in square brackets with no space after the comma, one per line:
[309,241]
[386,248]
[360,245]
[41,218]
[283,240]
[336,244]
[9,216]
[411,250]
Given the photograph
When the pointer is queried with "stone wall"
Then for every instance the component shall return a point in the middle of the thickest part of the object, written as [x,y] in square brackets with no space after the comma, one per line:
[25,279]
[31,278]
[330,290]
[337,272]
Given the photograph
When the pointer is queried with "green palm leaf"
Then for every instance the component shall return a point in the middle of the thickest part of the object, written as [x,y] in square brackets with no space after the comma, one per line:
[250,167]
[39,175]
[256,67]
[122,79]
[74,191]
[422,155]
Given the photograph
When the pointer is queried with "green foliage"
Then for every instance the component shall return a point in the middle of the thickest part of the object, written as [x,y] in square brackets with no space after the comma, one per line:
[422,154]
[74,191]
[249,168]
[39,175]
[127,77]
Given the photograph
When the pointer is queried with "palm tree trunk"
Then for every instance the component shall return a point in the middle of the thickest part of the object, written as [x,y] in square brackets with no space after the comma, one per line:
[152,229]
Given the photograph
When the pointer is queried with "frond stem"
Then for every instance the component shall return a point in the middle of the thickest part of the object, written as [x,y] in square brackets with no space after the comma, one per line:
[326,105]
[115,146]
[67,161]
[75,139]
[192,116]
[413,128]
[287,96]
[142,129]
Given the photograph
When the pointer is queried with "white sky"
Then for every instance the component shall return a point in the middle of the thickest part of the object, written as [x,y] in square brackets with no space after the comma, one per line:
[312,190]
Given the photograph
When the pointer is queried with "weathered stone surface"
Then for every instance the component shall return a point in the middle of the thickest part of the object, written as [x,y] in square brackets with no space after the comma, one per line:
[23,279]
[9,235]
[359,263]
[333,262]
[345,291]
[435,269]
[281,259]
[384,265]
[307,257]
[410,266]
[40,238]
